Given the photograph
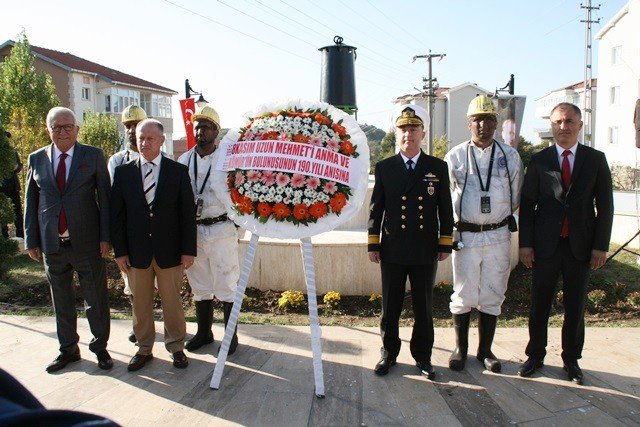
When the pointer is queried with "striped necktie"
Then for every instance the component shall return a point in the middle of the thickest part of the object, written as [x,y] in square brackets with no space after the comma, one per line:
[149,184]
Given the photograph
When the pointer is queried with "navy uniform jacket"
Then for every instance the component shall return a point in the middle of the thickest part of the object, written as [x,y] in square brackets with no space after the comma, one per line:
[410,215]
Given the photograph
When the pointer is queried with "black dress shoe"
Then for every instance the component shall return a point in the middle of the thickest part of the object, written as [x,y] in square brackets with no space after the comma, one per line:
[138,361]
[63,359]
[530,366]
[426,369]
[383,366]
[104,360]
[574,372]
[180,360]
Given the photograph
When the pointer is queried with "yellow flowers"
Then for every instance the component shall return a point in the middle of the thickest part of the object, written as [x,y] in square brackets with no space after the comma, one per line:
[332,299]
[291,299]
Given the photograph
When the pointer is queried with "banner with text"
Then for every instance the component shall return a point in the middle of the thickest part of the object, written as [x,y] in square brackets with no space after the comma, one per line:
[292,157]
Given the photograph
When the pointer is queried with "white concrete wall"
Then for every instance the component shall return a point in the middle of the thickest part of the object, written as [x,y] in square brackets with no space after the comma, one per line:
[457,106]
[80,105]
[625,74]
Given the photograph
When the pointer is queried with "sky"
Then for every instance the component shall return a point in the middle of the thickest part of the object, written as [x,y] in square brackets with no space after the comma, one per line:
[245,53]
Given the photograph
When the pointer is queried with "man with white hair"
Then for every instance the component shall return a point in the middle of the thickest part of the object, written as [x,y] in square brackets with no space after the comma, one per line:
[67,225]
[410,225]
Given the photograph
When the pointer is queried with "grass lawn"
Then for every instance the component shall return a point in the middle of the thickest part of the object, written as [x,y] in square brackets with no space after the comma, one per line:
[24,290]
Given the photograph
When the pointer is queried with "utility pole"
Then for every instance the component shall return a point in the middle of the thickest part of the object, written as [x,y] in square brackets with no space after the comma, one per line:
[430,86]
[587,131]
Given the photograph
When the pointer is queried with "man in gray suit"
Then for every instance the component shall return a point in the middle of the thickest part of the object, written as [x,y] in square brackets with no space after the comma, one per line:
[67,223]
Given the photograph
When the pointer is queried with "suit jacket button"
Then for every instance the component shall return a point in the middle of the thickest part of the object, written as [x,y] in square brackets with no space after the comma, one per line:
[403,217]
[421,226]
[403,207]
[419,197]
[420,207]
[149,234]
[403,226]
[404,197]
[421,217]
[151,214]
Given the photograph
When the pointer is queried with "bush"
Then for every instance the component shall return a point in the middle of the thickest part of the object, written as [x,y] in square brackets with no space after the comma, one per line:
[633,299]
[291,299]
[332,299]
[376,300]
[444,287]
[596,297]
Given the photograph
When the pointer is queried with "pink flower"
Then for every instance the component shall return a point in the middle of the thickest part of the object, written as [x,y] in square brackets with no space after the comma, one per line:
[268,178]
[282,179]
[313,182]
[283,137]
[330,187]
[298,180]
[249,135]
[316,141]
[253,175]
[333,145]
[239,179]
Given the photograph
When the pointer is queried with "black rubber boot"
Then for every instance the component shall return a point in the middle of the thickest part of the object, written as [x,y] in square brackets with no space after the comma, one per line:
[132,335]
[204,316]
[459,355]
[487,330]
[227,306]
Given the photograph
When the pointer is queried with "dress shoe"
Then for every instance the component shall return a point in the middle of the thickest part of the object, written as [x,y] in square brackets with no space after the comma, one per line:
[426,369]
[63,359]
[574,372]
[104,360]
[180,360]
[132,337]
[138,361]
[530,366]
[383,366]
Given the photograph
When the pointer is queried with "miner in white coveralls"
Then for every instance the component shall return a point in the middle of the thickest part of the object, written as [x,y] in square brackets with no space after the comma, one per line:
[215,271]
[131,116]
[486,179]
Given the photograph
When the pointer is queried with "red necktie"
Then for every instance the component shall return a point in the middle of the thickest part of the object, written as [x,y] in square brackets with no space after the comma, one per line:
[566,181]
[61,179]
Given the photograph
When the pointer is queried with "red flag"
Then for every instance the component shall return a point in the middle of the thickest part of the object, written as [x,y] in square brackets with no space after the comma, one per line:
[188,107]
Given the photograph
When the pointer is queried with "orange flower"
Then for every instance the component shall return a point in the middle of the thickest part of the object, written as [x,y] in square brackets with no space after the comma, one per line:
[264,209]
[281,211]
[270,135]
[339,129]
[318,210]
[245,205]
[347,148]
[322,119]
[300,211]
[235,196]
[338,202]
[300,138]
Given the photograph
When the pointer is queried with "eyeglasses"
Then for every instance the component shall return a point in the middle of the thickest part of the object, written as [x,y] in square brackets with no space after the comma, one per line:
[66,128]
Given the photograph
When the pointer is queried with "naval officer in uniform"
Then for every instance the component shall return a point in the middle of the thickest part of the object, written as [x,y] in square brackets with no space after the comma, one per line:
[410,227]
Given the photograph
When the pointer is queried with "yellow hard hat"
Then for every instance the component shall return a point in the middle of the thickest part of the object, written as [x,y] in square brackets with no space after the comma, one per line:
[133,113]
[206,113]
[481,104]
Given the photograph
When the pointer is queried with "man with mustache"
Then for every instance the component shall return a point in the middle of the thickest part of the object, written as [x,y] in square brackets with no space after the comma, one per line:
[486,177]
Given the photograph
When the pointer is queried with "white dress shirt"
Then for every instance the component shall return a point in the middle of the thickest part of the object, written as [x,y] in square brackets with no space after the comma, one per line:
[572,156]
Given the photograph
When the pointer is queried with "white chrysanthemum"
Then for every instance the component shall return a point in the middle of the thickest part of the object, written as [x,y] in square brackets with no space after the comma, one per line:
[277,198]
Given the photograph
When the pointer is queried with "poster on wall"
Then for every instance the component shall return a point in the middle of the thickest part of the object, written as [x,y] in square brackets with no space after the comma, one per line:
[510,110]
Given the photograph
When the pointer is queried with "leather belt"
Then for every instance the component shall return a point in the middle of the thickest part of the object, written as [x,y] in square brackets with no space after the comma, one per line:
[211,221]
[477,228]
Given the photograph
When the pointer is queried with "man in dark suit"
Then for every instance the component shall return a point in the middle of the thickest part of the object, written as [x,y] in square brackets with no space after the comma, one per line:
[153,226]
[566,215]
[67,223]
[411,208]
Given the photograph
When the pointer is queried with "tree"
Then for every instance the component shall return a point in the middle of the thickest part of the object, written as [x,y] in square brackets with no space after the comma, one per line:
[100,130]
[440,147]
[7,158]
[527,149]
[387,148]
[26,95]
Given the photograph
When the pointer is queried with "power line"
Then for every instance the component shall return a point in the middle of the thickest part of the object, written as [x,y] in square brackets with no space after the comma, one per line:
[396,25]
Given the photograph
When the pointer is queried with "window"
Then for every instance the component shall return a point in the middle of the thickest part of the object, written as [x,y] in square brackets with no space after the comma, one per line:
[85,80]
[145,102]
[107,103]
[160,105]
[122,98]
[616,54]
[613,135]
[85,93]
[614,96]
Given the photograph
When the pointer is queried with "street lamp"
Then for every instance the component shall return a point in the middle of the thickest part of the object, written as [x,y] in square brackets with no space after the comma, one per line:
[200,102]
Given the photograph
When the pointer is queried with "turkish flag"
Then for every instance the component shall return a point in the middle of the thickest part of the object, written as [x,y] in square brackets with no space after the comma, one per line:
[188,107]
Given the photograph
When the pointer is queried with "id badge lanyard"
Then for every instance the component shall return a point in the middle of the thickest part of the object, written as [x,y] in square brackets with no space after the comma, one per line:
[199,201]
[485,201]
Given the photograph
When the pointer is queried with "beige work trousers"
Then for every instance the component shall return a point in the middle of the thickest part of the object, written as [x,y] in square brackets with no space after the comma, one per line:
[169,282]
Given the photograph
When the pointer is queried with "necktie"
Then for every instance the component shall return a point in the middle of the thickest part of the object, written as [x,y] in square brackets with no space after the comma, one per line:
[149,185]
[410,165]
[61,180]
[566,182]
